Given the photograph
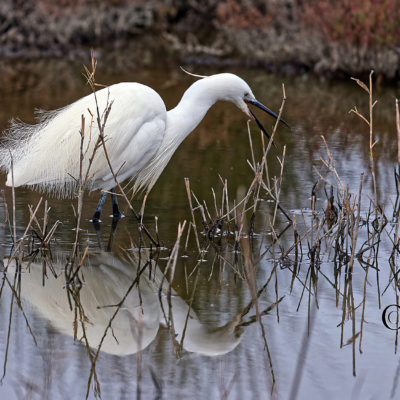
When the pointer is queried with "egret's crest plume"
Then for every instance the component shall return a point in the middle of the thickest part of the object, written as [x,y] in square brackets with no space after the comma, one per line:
[191,74]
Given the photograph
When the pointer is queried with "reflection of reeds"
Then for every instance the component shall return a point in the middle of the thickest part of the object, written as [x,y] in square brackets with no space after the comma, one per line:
[16,257]
[169,276]
[336,233]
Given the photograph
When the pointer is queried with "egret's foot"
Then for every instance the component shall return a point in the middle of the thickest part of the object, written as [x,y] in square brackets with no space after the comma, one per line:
[117,215]
[96,225]
[96,218]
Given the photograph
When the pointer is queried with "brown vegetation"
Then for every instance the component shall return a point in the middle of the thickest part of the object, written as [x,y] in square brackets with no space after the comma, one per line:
[323,36]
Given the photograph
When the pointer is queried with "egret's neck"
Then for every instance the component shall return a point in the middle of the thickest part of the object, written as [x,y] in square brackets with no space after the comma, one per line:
[181,120]
[192,108]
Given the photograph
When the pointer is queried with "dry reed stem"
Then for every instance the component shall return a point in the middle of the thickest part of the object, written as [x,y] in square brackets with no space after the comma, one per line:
[17,253]
[369,122]
[193,222]
[250,269]
[170,269]
[101,123]
[398,130]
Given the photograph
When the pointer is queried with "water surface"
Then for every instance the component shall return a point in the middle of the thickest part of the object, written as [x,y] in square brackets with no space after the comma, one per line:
[220,357]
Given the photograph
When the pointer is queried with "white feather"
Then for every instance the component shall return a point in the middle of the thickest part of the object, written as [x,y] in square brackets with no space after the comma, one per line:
[192,74]
[140,135]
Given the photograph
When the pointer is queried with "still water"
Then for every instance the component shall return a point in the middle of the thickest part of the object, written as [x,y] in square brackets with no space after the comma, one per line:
[223,346]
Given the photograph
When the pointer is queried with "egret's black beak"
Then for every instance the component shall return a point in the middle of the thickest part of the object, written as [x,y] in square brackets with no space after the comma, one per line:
[261,106]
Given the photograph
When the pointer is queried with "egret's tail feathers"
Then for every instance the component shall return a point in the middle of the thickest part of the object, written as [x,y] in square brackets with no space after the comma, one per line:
[14,144]
[32,151]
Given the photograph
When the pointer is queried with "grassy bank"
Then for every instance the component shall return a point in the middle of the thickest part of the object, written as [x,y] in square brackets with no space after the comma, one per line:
[340,38]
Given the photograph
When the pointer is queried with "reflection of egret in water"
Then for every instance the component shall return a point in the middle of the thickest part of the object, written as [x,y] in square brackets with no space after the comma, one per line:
[50,312]
[107,280]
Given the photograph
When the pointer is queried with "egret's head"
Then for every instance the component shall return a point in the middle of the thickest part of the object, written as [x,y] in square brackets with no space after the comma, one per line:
[230,87]
[238,92]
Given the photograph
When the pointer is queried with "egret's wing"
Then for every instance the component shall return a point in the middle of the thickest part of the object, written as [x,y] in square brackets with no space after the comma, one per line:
[130,157]
[48,154]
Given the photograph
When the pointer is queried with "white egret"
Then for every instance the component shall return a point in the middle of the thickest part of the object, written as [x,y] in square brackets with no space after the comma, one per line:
[141,136]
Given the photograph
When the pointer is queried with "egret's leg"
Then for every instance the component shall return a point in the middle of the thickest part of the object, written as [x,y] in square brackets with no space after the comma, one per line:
[100,205]
[99,235]
[116,212]
[112,234]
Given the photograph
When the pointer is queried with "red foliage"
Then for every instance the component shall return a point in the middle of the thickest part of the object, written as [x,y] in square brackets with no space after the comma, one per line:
[235,14]
[355,22]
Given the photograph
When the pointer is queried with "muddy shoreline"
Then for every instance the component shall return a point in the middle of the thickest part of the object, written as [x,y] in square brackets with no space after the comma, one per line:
[227,33]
